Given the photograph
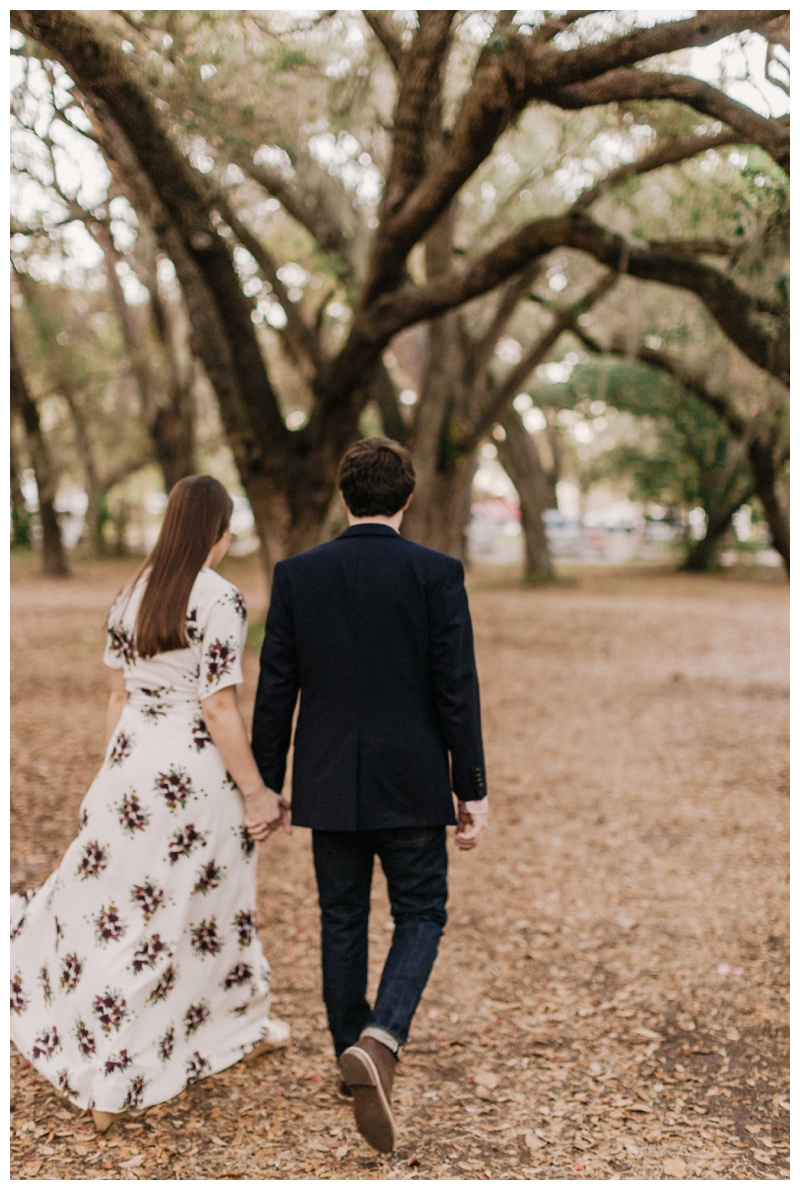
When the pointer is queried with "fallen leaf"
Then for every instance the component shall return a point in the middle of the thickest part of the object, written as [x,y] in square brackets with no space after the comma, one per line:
[675,1167]
[133,1162]
[487,1078]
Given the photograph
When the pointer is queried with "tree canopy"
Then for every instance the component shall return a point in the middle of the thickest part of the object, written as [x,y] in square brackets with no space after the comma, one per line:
[399,216]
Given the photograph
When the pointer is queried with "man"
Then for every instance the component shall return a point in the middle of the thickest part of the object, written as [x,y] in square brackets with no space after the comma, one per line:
[374,633]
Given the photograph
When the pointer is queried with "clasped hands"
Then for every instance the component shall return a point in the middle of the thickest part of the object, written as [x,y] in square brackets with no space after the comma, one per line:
[265,812]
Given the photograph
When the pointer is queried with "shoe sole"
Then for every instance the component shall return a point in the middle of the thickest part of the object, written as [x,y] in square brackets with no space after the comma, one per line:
[103,1120]
[266,1046]
[373,1111]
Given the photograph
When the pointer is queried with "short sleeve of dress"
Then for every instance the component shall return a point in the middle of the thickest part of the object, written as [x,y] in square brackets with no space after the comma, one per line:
[119,641]
[224,635]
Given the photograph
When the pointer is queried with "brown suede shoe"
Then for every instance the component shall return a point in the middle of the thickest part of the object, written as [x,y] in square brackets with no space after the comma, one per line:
[368,1069]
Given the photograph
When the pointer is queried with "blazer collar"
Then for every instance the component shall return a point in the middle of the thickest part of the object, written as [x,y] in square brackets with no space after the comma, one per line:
[369,529]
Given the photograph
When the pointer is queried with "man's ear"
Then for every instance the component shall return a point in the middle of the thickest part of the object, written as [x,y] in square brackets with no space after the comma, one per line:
[408,501]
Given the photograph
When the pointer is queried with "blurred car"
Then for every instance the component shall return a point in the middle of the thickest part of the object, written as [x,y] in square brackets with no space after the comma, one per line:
[564,535]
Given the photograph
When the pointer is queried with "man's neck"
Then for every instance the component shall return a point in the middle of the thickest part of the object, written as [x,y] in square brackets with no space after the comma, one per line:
[393,522]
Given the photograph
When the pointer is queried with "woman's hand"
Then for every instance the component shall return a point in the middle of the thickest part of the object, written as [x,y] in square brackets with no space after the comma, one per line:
[264,812]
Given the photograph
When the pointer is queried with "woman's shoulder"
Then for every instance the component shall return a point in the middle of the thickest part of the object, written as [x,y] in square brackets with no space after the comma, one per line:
[210,587]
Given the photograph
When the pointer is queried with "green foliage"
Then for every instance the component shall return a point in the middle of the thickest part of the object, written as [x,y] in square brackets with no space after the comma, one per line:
[681,455]
[20,528]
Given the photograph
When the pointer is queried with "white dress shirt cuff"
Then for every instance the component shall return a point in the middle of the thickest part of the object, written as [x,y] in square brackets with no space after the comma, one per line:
[481,807]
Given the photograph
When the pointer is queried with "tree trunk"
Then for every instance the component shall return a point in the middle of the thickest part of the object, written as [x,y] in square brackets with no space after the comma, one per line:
[54,558]
[441,520]
[20,517]
[439,512]
[519,455]
[703,555]
[767,488]
[94,487]
[166,404]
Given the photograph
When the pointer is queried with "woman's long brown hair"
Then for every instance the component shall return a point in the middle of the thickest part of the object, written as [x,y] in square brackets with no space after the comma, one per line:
[198,513]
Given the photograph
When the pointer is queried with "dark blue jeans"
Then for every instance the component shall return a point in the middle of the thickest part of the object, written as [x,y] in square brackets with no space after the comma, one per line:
[414,861]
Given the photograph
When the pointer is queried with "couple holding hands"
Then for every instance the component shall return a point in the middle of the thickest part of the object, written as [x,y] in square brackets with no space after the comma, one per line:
[136,969]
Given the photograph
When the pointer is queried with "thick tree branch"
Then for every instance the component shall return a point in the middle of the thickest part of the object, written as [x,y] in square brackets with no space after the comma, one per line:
[387,33]
[735,312]
[548,66]
[770,133]
[419,83]
[512,70]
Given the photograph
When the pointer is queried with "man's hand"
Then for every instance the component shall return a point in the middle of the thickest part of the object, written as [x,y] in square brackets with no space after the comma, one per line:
[470,828]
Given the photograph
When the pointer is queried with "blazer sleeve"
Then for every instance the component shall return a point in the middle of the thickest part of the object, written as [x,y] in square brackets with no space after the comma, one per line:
[455,683]
[278,686]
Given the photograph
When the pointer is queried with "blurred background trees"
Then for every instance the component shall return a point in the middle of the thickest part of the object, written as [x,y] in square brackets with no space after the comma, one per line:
[242,239]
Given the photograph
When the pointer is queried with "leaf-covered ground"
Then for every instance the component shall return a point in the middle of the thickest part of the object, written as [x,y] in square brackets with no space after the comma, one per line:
[611,995]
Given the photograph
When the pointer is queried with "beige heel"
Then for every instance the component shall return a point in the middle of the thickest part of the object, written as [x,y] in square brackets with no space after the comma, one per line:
[277,1038]
[104,1119]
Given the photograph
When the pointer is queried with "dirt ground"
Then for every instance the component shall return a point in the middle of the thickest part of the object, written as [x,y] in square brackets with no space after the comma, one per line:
[611,995]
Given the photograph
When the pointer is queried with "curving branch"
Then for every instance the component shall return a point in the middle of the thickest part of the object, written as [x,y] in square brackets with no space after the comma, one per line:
[513,70]
[418,94]
[735,312]
[553,25]
[670,153]
[387,33]
[769,133]
[548,65]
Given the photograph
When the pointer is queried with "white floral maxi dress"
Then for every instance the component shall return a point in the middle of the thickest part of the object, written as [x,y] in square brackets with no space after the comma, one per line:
[136,968]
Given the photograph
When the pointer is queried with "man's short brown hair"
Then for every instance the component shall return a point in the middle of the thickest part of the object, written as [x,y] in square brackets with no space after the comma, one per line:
[376,477]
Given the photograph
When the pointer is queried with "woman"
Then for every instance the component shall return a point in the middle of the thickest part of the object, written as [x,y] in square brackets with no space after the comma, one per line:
[136,968]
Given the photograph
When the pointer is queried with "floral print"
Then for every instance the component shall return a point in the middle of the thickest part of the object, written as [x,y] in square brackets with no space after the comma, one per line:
[132,816]
[71,971]
[121,747]
[205,939]
[184,841]
[121,644]
[93,860]
[153,707]
[175,787]
[137,968]
[200,737]
[148,897]
[219,658]
[209,877]
[237,600]
[19,1000]
[108,925]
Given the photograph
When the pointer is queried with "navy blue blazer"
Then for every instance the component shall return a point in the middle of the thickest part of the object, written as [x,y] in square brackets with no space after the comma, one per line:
[374,633]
